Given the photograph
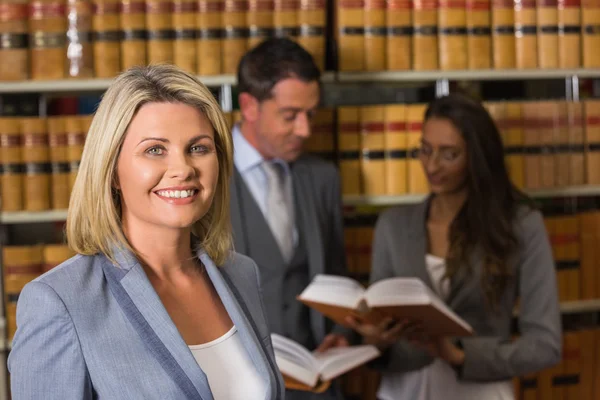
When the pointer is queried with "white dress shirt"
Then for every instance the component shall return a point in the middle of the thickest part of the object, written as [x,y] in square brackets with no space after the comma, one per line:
[248,162]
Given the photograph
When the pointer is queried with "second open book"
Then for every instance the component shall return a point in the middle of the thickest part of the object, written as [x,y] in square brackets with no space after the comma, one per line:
[400,298]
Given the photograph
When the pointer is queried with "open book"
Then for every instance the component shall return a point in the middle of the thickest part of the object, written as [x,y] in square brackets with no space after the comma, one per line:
[303,370]
[338,297]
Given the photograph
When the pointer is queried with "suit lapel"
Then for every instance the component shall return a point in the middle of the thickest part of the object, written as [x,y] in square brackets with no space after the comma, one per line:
[145,311]
[232,301]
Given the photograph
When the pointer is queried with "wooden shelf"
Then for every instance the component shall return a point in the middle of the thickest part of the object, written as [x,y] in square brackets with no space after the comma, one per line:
[27,217]
[468,75]
[568,191]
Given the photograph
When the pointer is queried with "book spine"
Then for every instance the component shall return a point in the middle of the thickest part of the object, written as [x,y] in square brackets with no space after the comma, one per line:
[591,110]
[375,35]
[503,34]
[55,254]
[107,36]
[21,265]
[47,44]
[372,131]
[395,149]
[452,21]
[479,39]
[563,148]
[590,18]
[547,123]
[80,53]
[36,158]
[235,43]
[589,223]
[569,33]
[547,21]
[75,141]
[417,182]
[532,144]
[286,18]
[425,35]
[312,21]
[210,37]
[161,35]
[184,45]
[59,166]
[322,140]
[526,45]
[576,143]
[349,150]
[398,21]
[351,35]
[514,143]
[259,21]
[132,19]
[14,51]
[11,156]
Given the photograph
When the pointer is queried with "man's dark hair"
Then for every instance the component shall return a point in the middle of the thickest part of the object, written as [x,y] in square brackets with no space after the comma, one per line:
[272,61]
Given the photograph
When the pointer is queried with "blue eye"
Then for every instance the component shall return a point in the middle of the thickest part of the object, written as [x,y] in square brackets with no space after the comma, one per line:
[198,149]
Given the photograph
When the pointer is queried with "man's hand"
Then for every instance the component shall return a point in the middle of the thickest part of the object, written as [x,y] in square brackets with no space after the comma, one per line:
[333,340]
[385,333]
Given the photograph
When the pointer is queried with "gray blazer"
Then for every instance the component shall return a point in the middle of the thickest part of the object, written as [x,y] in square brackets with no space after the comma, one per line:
[90,330]
[318,211]
[399,248]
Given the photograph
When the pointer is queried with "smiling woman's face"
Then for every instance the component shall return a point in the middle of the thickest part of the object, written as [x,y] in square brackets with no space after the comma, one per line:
[444,156]
[167,170]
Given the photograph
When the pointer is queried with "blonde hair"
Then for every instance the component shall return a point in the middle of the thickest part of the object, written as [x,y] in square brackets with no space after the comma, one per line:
[93,221]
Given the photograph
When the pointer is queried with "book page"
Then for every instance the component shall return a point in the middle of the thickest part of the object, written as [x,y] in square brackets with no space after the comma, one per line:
[334,290]
[398,291]
[294,360]
[337,361]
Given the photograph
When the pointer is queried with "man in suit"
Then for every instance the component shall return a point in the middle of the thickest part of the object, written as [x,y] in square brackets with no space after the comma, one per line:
[285,205]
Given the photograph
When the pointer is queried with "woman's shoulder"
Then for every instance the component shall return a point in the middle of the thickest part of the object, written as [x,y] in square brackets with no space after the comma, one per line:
[402,215]
[74,276]
[528,222]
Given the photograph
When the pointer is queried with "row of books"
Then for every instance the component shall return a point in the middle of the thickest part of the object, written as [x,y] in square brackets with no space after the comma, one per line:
[22,264]
[467,34]
[548,144]
[574,236]
[80,38]
[39,160]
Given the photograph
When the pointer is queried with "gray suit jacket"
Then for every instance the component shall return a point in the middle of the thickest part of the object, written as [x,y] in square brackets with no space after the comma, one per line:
[90,330]
[399,248]
[319,211]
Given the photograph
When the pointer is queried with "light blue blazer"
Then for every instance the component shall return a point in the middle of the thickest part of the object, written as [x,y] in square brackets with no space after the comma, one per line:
[90,330]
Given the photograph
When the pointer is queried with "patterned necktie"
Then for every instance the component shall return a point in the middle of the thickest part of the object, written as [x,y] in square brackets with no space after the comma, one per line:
[279,215]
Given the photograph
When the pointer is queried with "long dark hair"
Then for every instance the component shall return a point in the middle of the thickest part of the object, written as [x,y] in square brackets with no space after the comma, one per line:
[485,221]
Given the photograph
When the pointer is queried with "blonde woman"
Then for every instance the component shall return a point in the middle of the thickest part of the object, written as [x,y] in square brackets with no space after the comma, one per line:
[156,305]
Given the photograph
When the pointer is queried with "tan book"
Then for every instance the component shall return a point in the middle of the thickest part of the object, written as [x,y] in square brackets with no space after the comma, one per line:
[349,150]
[36,157]
[314,370]
[59,163]
[350,20]
[286,18]
[259,21]
[159,22]
[47,43]
[575,126]
[547,124]
[592,136]
[106,23]
[322,138]
[13,46]
[395,149]
[209,46]
[235,42]
[134,33]
[80,50]
[372,131]
[417,181]
[563,146]
[590,254]
[588,366]
[569,34]
[452,36]
[184,24]
[572,366]
[425,35]
[55,254]
[532,143]
[515,151]
[547,21]
[398,20]
[526,42]
[590,21]
[312,22]
[503,34]
[75,141]
[479,39]
[11,157]
[375,35]
[338,297]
